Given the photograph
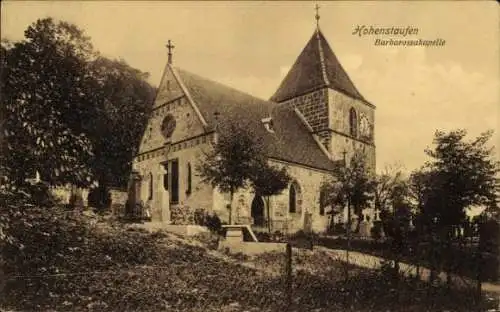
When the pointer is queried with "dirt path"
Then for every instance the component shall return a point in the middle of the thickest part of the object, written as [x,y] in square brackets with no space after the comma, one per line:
[374,262]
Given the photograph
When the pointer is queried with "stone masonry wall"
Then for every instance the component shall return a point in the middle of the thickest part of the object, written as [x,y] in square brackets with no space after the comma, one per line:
[309,181]
[314,107]
[340,127]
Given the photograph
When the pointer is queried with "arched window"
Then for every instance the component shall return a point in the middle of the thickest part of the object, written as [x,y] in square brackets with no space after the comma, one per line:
[150,186]
[353,122]
[294,198]
[188,179]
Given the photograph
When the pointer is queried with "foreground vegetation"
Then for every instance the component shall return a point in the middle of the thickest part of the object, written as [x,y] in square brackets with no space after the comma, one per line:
[62,260]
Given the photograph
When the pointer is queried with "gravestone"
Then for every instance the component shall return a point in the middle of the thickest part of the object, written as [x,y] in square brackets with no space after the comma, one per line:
[364,229]
[354,223]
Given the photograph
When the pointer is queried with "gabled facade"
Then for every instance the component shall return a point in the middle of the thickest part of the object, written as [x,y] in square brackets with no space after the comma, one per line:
[305,127]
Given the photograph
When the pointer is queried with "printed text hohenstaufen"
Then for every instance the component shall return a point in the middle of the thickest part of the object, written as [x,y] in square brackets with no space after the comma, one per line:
[393,31]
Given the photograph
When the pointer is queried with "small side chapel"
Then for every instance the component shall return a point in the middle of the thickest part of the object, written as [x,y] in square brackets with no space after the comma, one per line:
[315,119]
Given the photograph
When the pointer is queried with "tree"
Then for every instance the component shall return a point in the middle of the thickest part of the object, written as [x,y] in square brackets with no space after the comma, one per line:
[123,101]
[232,162]
[463,174]
[70,114]
[268,181]
[385,185]
[352,186]
[47,106]
[420,190]
[459,175]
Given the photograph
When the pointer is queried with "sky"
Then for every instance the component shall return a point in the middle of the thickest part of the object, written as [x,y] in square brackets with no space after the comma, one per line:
[252,45]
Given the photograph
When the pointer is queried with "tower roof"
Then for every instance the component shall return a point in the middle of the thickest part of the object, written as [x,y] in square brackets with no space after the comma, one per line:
[315,68]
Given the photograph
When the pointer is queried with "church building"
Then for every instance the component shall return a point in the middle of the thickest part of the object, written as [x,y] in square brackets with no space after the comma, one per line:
[314,120]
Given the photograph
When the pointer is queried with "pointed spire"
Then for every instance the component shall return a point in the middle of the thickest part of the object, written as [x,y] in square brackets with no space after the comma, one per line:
[316,67]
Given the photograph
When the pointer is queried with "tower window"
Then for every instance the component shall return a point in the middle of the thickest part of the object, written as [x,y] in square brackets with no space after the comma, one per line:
[353,122]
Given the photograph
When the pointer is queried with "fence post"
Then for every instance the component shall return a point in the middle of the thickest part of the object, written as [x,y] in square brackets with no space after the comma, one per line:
[288,282]
[478,276]
[348,247]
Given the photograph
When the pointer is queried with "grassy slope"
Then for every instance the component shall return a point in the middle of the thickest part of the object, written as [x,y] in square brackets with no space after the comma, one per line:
[144,272]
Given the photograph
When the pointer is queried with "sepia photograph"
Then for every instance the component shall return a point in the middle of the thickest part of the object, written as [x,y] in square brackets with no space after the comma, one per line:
[247,156]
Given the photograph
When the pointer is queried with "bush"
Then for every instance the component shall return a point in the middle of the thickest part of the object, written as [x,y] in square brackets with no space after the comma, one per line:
[75,201]
[213,223]
[99,198]
[133,211]
[337,229]
[200,217]
[263,237]
[41,194]
[182,215]
[377,230]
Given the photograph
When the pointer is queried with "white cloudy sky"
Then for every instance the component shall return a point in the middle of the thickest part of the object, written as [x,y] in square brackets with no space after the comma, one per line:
[251,45]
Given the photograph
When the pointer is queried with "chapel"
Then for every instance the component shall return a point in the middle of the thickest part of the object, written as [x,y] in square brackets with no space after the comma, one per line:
[315,120]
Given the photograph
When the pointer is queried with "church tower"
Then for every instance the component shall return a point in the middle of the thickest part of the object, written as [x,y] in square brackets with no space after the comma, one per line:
[319,87]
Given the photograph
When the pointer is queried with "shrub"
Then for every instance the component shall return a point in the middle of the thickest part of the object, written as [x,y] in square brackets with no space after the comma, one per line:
[338,228]
[376,230]
[182,215]
[99,198]
[263,237]
[200,217]
[213,223]
[41,194]
[133,211]
[75,201]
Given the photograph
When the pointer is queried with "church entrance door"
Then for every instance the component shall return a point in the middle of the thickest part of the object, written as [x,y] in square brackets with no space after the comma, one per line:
[258,211]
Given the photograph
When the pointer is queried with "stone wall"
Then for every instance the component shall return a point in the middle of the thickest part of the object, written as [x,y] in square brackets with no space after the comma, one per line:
[309,182]
[187,152]
[63,193]
[314,107]
[341,138]
[118,200]
[327,112]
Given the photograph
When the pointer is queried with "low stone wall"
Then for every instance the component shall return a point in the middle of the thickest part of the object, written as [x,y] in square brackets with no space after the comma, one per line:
[185,230]
[251,248]
[118,200]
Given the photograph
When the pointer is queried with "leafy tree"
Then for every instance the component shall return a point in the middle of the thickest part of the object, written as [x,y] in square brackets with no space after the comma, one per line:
[123,100]
[46,100]
[232,162]
[70,114]
[420,188]
[268,181]
[352,186]
[386,183]
[463,174]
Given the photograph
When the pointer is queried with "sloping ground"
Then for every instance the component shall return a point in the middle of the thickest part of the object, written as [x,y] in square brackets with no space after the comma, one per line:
[65,266]
[364,260]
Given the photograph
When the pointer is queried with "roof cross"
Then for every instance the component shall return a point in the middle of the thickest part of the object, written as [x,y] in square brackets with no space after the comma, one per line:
[170,47]
[317,14]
